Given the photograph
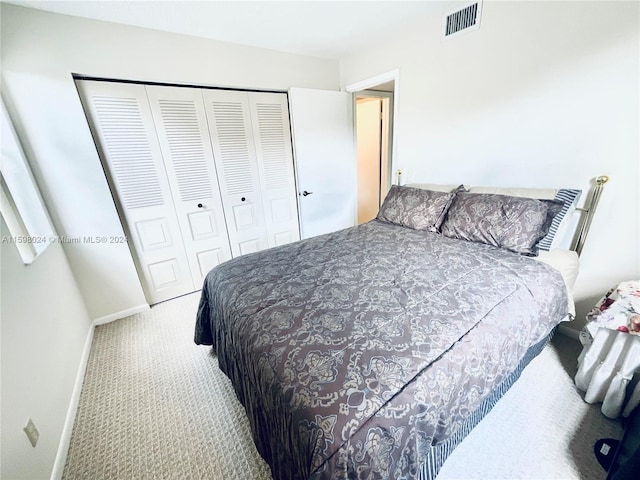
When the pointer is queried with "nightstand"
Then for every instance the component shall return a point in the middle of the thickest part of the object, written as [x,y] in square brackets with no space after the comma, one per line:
[609,364]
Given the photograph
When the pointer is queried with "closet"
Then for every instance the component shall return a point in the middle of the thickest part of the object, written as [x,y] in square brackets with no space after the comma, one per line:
[198,175]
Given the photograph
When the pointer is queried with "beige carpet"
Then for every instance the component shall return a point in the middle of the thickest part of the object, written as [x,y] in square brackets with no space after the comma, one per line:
[155,406]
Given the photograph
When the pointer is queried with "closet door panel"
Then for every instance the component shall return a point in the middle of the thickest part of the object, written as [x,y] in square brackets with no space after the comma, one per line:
[122,126]
[232,140]
[270,123]
[181,126]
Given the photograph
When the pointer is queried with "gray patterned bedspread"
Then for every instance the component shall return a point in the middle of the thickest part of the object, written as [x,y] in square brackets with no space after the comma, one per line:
[355,351]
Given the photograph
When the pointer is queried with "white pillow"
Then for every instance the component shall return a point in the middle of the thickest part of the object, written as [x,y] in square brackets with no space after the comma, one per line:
[434,187]
[568,264]
[539,193]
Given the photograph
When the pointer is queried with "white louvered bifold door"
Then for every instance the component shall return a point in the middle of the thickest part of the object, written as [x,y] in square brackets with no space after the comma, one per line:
[234,152]
[270,122]
[124,131]
[182,129]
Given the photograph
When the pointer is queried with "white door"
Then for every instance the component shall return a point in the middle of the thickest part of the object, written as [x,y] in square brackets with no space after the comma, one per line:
[270,123]
[322,125]
[122,125]
[181,125]
[234,151]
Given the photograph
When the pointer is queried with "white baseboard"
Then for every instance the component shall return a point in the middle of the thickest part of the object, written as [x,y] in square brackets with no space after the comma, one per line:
[67,430]
[118,315]
[569,332]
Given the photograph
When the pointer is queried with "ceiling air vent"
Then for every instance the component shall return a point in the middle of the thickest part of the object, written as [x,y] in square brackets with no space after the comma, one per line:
[463,20]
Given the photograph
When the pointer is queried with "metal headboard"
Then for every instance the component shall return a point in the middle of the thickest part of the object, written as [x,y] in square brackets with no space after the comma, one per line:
[589,210]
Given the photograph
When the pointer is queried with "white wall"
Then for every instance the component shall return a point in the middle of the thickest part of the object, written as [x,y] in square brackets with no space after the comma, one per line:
[44,328]
[44,320]
[544,94]
[41,50]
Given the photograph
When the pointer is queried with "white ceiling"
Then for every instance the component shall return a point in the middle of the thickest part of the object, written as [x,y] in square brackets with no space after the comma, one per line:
[328,29]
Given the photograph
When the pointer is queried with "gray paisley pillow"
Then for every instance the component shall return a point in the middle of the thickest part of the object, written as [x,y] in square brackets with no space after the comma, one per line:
[415,207]
[512,223]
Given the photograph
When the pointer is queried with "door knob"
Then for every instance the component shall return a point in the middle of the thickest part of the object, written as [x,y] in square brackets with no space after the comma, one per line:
[305,193]
[243,199]
[200,205]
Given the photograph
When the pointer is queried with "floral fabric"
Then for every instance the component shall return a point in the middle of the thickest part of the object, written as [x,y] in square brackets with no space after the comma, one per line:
[618,310]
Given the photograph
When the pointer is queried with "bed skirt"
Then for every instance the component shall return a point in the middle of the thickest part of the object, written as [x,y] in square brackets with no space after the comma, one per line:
[439,453]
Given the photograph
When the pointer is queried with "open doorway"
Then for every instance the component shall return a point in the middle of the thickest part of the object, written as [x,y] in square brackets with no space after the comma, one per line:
[374,141]
[374,107]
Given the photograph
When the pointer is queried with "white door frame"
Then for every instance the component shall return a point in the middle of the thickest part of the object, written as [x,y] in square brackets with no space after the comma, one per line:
[366,84]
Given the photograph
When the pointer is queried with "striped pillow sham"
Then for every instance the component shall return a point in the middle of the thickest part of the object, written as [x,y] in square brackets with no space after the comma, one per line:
[569,197]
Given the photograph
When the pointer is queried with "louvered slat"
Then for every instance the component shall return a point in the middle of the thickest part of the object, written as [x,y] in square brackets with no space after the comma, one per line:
[127,146]
[233,142]
[182,131]
[273,145]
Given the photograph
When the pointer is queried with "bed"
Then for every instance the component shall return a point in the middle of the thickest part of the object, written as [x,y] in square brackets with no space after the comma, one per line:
[372,351]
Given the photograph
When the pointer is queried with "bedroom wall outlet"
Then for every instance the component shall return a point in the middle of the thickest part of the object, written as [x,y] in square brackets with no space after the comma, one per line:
[32,432]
